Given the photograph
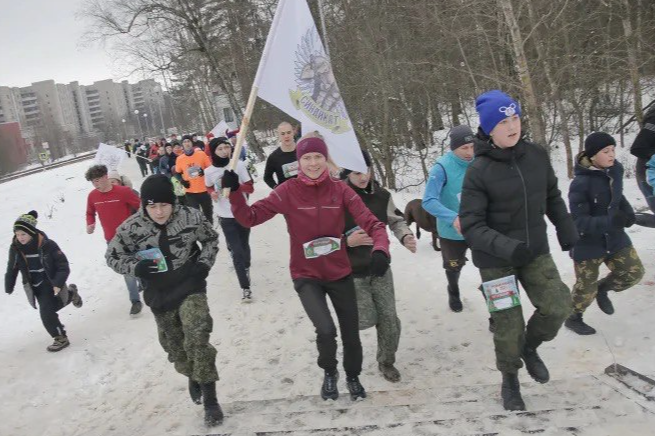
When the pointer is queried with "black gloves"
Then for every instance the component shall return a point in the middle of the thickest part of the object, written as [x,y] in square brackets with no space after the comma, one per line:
[201,172]
[521,255]
[379,263]
[200,269]
[145,268]
[230,180]
[620,220]
[186,183]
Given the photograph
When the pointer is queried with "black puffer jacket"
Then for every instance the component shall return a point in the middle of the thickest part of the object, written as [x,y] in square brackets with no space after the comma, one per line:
[54,263]
[595,195]
[505,195]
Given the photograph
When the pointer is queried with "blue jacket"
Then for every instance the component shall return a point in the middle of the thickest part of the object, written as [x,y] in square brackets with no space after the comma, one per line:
[443,193]
[593,196]
[650,171]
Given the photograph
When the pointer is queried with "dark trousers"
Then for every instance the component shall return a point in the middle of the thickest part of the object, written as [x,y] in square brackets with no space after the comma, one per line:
[238,242]
[313,295]
[453,254]
[49,305]
[202,201]
[143,166]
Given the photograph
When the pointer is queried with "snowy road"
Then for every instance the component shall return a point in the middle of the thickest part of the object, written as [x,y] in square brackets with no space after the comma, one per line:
[114,379]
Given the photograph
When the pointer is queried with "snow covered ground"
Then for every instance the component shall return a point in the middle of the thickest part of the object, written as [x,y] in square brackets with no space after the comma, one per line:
[114,379]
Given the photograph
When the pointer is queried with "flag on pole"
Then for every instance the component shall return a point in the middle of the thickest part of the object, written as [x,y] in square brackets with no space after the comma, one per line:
[295,75]
[218,130]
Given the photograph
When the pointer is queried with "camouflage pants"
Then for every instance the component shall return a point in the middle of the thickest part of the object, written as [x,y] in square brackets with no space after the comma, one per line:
[184,335]
[625,268]
[547,293]
[376,304]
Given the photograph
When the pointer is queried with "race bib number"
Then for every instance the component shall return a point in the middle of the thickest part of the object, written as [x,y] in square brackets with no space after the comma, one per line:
[501,294]
[194,171]
[321,247]
[290,169]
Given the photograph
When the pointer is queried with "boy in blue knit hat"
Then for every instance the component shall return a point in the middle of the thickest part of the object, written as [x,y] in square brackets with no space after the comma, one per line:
[507,191]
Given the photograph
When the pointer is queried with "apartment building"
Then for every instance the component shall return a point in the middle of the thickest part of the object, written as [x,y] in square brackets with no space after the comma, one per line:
[83,109]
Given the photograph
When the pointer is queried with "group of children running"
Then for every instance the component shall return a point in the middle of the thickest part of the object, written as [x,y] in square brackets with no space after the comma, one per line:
[490,194]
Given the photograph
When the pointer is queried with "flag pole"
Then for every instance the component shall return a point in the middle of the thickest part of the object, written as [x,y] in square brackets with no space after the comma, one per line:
[250,106]
[323,31]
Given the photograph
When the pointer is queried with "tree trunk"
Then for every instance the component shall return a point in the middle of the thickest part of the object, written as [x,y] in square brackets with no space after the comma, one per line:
[633,67]
[529,92]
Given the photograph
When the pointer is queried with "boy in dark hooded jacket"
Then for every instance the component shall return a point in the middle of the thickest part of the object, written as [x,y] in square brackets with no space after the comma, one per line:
[44,269]
[601,213]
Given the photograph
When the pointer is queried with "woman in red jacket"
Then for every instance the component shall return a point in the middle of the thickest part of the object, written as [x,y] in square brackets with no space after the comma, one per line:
[314,206]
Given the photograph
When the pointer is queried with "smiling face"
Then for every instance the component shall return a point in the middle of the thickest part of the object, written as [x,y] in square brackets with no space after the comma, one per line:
[313,165]
[604,158]
[507,133]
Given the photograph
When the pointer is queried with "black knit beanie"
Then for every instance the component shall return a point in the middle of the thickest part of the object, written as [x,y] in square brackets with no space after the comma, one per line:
[596,142]
[157,189]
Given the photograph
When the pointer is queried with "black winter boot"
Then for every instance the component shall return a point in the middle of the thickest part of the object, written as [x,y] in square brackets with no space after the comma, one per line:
[454,301]
[535,366]
[195,392]
[329,390]
[603,300]
[213,412]
[59,343]
[511,392]
[355,388]
[389,372]
[576,324]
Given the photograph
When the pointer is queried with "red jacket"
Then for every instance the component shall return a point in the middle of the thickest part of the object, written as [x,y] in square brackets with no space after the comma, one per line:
[112,207]
[311,212]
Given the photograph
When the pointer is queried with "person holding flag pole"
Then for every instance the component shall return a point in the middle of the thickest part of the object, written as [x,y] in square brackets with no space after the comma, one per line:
[314,205]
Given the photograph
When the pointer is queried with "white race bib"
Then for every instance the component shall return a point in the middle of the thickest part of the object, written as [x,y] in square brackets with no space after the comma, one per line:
[321,247]
[501,294]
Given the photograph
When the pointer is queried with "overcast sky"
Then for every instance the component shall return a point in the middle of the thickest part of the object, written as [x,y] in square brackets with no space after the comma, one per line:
[41,39]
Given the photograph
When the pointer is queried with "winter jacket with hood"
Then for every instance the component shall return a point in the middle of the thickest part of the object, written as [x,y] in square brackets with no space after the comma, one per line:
[505,195]
[54,263]
[313,209]
[178,240]
[594,196]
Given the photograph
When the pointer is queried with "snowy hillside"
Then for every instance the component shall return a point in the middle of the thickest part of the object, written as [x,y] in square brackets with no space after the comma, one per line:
[114,379]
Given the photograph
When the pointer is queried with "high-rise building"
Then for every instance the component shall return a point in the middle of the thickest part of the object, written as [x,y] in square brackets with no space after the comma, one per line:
[104,105]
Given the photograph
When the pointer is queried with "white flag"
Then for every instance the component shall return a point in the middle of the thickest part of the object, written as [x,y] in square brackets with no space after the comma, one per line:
[109,156]
[296,76]
[219,130]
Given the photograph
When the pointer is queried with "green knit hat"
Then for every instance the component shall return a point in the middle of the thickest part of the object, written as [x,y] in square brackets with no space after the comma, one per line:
[27,223]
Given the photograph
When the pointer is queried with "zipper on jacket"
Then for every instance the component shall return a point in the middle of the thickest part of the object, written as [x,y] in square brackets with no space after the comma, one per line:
[525,200]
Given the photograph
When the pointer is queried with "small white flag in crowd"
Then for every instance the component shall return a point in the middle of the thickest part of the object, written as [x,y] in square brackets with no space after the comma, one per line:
[296,76]
[109,156]
[219,130]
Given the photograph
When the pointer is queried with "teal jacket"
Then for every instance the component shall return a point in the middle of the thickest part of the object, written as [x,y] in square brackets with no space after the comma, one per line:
[443,193]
